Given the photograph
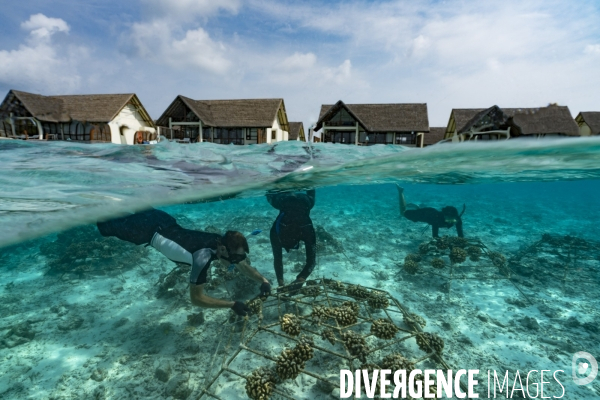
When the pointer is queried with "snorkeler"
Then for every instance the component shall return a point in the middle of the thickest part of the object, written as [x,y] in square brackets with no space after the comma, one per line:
[197,248]
[446,218]
[293,225]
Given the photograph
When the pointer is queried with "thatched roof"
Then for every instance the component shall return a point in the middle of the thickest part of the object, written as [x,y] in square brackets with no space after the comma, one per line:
[244,113]
[434,135]
[592,119]
[463,115]
[527,121]
[381,117]
[543,120]
[295,129]
[88,107]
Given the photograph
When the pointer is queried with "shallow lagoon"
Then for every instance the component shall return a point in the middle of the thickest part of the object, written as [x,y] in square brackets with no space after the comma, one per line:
[106,327]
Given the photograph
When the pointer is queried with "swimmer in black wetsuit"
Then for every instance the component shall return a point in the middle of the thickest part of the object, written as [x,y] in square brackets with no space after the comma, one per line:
[293,225]
[446,218]
[197,248]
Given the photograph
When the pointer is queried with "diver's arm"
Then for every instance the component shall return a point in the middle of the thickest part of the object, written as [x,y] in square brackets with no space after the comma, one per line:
[250,272]
[310,243]
[277,255]
[459,228]
[311,198]
[200,299]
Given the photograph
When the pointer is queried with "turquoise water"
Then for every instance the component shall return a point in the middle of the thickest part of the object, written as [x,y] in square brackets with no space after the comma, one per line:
[81,317]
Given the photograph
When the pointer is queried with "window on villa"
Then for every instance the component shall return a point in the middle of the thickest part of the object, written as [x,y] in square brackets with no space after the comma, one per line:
[251,134]
[231,135]
[273,134]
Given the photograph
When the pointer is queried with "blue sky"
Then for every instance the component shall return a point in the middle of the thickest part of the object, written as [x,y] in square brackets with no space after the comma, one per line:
[449,54]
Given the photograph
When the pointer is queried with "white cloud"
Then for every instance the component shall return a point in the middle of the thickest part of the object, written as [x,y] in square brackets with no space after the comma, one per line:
[171,35]
[42,27]
[298,61]
[592,49]
[39,65]
[154,41]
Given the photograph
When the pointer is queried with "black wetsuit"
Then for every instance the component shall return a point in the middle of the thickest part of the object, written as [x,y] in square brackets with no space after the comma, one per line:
[161,231]
[292,225]
[434,218]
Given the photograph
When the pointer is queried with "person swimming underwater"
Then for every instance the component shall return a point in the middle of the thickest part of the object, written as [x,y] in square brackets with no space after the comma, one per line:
[446,218]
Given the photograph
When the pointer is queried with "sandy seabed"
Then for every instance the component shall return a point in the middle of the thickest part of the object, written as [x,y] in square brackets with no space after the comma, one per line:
[118,335]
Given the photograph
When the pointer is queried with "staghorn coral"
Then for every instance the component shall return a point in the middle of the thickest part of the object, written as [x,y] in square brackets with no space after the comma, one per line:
[497,259]
[458,242]
[458,255]
[356,345]
[328,335]
[411,267]
[260,384]
[320,312]
[358,292]
[442,243]
[474,253]
[304,349]
[378,300]
[396,361]
[334,285]
[413,257]
[255,306]
[289,365]
[384,329]
[412,318]
[290,324]
[427,341]
[345,315]
[438,263]
[311,290]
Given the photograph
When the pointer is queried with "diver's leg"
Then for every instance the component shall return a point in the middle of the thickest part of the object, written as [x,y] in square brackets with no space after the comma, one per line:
[402,201]
[310,242]
[277,255]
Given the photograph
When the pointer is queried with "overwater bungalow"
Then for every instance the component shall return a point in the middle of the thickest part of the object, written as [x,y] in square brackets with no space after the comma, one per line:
[435,135]
[588,122]
[497,123]
[251,121]
[367,124]
[100,118]
[297,132]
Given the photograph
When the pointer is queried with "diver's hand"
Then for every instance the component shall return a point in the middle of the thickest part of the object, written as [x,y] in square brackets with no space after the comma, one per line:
[400,188]
[265,289]
[296,285]
[240,308]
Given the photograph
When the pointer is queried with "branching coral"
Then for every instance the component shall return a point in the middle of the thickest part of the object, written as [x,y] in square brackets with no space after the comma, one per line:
[412,318]
[384,329]
[378,300]
[438,263]
[458,255]
[260,384]
[474,253]
[356,345]
[290,324]
[427,341]
[411,267]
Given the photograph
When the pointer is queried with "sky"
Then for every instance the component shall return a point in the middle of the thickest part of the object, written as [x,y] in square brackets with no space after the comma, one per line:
[448,54]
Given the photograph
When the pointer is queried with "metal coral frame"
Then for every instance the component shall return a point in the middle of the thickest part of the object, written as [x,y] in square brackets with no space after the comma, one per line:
[246,330]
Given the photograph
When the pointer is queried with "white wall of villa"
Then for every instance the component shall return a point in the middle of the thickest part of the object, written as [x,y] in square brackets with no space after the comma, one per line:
[124,126]
[275,133]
